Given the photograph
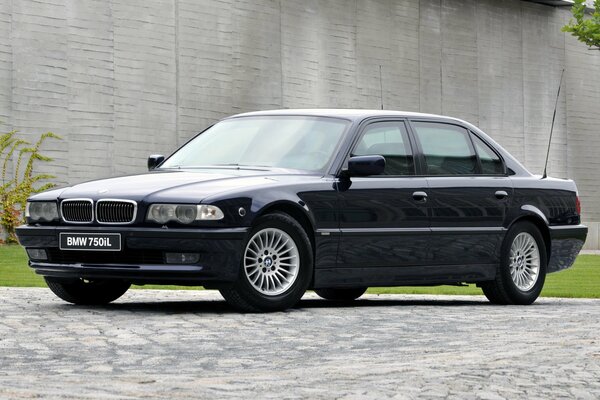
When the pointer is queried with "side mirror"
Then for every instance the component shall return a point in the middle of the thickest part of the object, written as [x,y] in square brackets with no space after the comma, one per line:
[366,165]
[154,161]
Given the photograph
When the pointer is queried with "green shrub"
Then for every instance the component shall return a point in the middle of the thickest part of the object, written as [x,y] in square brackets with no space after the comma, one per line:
[16,188]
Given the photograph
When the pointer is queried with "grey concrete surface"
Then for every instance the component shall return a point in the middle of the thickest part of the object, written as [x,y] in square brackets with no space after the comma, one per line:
[189,344]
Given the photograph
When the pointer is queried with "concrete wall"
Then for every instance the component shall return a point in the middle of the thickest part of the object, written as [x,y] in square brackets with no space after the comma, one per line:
[122,79]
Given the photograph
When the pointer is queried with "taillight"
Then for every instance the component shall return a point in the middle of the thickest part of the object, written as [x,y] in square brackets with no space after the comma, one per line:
[577,205]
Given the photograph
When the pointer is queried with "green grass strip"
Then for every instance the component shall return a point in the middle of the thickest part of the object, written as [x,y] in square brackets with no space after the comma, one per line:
[580,281]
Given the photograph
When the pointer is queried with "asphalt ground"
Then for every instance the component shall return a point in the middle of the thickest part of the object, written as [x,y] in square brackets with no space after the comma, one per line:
[190,344]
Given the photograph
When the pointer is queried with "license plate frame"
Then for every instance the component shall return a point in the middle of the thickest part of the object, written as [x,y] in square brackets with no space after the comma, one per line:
[83,241]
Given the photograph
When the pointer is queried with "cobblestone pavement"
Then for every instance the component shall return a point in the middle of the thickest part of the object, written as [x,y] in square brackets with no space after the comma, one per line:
[189,344]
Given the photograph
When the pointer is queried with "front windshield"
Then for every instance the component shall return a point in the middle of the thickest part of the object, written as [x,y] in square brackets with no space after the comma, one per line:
[296,142]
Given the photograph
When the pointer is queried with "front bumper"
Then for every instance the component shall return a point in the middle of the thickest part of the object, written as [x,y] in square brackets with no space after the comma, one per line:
[219,250]
[566,242]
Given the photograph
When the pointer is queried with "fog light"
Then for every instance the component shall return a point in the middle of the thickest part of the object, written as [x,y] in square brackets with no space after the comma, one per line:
[37,254]
[182,258]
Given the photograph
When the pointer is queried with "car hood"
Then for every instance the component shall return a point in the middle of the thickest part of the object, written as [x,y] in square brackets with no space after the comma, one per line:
[171,185]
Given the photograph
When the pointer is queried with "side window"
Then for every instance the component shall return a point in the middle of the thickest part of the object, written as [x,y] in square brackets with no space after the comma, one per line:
[491,164]
[390,140]
[447,149]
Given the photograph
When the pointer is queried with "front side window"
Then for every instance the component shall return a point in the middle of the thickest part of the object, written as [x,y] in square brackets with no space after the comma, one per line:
[491,164]
[390,140]
[447,149]
[294,142]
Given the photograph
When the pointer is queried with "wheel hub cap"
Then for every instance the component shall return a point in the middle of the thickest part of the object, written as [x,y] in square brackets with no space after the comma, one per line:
[524,261]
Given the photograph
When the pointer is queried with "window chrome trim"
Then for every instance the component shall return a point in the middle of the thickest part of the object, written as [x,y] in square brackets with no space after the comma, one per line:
[133,218]
[62,215]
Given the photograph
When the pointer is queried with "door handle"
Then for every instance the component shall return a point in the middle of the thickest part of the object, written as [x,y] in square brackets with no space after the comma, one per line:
[420,197]
[501,194]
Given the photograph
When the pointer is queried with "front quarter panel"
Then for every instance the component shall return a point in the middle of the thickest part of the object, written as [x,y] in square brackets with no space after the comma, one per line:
[316,196]
[312,198]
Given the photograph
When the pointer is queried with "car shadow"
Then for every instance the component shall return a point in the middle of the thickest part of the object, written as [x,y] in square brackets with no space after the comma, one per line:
[221,307]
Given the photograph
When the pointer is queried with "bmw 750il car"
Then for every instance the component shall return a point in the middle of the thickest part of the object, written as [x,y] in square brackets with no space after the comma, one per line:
[265,205]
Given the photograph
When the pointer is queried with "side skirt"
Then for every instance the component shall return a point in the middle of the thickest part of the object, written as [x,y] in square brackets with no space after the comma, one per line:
[404,276]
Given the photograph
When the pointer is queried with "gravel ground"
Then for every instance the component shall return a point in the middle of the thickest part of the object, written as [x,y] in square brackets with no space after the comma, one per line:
[189,344]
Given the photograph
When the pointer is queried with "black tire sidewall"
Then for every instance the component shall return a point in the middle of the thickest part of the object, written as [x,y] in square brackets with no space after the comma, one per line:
[291,296]
[517,295]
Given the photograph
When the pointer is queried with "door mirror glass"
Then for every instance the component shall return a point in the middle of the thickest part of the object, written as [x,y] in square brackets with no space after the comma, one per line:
[366,165]
[154,161]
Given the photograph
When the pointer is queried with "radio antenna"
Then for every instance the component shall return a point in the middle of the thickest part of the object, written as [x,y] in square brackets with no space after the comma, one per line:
[380,87]
[545,175]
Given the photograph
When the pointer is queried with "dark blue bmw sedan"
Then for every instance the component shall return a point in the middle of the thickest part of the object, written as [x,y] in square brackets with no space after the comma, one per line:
[266,205]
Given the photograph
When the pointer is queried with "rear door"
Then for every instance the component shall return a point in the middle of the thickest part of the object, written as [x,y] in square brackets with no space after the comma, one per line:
[468,193]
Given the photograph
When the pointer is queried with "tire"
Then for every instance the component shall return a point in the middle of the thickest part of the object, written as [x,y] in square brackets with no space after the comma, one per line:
[341,294]
[79,291]
[275,279]
[529,263]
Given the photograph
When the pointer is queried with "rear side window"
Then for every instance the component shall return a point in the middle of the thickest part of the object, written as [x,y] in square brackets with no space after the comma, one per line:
[447,149]
[491,164]
[390,140]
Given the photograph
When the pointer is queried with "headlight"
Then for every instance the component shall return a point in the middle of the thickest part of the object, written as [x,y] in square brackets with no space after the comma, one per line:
[41,211]
[183,213]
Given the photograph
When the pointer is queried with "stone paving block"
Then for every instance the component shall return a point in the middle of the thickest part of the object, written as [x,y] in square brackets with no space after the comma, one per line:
[190,344]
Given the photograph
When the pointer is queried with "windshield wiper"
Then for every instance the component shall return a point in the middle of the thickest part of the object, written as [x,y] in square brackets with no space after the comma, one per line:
[233,165]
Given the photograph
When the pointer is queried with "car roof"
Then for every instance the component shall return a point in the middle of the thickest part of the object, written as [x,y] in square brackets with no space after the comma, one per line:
[353,114]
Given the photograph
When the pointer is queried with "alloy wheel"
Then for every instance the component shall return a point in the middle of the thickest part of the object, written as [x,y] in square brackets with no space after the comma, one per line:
[271,261]
[524,261]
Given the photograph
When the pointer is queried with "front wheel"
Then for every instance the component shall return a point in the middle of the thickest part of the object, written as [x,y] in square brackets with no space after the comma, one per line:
[92,292]
[276,266]
[522,272]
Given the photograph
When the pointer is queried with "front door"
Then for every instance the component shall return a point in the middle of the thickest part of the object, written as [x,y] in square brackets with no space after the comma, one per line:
[384,219]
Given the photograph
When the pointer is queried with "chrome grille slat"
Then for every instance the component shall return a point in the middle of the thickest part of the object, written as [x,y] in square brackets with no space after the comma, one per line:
[107,211]
[115,211]
[77,211]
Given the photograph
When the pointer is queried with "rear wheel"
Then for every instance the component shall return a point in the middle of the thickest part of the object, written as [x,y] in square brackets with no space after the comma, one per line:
[276,266]
[89,292]
[522,272]
[341,294]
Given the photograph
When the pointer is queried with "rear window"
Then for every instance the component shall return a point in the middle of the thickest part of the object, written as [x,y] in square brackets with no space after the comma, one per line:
[491,164]
[447,149]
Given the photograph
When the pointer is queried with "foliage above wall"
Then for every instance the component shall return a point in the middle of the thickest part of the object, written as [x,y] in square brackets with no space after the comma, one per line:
[586,30]
[18,186]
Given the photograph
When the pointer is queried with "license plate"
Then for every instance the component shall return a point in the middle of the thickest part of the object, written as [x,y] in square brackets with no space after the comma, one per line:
[90,241]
